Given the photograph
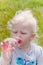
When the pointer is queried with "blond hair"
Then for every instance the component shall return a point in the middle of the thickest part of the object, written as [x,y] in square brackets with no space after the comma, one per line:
[25,17]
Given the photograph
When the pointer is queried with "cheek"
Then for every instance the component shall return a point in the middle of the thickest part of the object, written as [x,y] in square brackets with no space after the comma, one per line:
[13,35]
[25,39]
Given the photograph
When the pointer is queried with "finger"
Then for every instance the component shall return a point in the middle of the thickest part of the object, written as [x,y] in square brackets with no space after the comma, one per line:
[11,49]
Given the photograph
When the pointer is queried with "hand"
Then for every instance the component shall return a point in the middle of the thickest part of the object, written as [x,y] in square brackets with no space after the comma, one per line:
[8,46]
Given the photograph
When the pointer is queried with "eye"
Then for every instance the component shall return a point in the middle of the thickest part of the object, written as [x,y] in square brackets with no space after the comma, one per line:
[15,32]
[23,33]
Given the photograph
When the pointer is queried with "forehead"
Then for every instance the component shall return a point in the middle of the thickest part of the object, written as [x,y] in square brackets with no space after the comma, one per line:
[21,27]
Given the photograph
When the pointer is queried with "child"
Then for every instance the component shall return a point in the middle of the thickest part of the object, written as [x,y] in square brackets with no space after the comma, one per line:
[23,26]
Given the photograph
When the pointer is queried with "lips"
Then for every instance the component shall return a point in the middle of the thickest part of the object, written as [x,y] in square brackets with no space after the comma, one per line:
[19,41]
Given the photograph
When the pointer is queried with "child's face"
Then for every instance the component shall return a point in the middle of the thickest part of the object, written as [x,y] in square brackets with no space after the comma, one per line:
[23,32]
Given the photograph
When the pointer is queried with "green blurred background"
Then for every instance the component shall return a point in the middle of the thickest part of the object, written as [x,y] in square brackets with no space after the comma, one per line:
[8,9]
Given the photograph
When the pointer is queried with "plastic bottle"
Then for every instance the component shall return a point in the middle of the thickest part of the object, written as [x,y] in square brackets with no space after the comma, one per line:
[11,42]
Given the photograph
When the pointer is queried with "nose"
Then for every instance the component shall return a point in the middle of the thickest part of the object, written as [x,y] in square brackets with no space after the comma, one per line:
[18,34]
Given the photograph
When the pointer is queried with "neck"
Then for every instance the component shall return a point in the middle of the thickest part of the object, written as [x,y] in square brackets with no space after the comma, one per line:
[25,47]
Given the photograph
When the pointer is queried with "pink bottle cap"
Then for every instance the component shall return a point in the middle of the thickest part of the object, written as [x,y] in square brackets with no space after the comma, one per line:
[5,46]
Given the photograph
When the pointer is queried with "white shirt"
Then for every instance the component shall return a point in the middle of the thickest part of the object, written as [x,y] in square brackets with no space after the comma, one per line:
[32,57]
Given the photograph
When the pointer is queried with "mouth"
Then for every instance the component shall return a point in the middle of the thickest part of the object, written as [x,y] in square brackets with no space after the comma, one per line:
[19,40]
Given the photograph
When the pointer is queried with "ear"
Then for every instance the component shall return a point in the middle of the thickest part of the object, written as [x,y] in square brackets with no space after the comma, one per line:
[33,36]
